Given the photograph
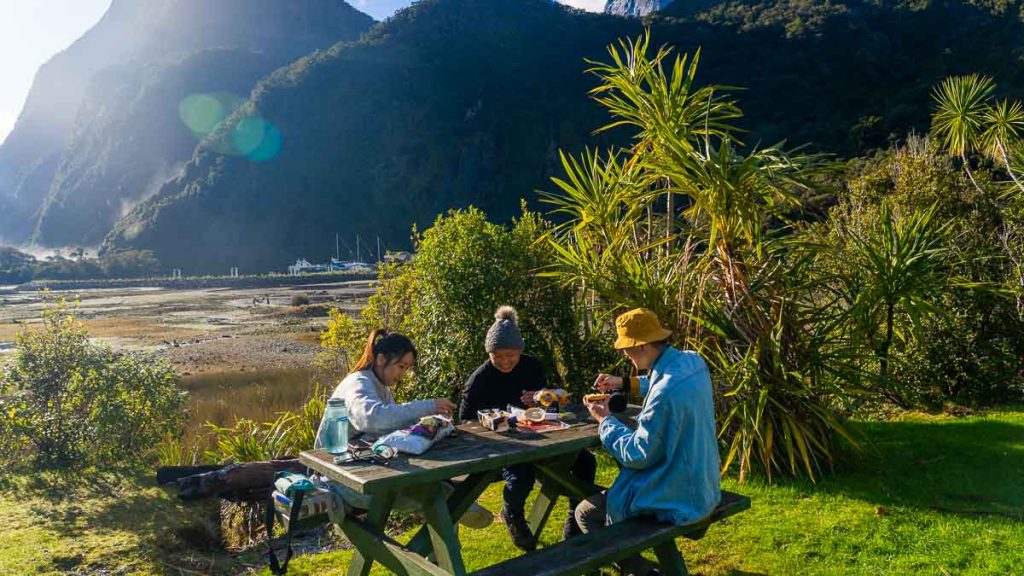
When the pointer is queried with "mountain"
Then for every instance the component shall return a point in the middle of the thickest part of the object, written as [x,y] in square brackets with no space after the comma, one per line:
[457,102]
[449,102]
[73,161]
[634,8]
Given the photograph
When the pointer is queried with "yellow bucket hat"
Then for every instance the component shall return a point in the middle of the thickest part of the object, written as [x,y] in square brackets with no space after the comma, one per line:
[638,326]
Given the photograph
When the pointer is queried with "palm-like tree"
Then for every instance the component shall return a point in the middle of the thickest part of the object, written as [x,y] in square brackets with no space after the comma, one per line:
[900,266]
[716,275]
[965,120]
[959,119]
[1004,125]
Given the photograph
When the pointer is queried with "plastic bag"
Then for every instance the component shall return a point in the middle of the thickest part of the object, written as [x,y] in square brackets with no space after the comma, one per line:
[419,438]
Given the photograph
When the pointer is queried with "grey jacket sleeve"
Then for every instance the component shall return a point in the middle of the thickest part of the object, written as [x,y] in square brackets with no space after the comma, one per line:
[371,412]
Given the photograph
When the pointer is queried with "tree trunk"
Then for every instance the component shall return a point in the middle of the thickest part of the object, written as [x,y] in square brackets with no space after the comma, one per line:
[883,354]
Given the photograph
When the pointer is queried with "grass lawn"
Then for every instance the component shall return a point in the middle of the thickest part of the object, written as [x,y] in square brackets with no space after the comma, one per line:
[929,495]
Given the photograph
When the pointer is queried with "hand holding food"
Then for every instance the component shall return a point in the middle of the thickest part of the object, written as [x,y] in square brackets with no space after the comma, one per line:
[597,405]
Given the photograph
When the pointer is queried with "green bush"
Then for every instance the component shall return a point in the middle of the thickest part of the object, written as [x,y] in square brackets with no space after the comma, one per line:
[129,264]
[68,403]
[685,222]
[966,344]
[444,300]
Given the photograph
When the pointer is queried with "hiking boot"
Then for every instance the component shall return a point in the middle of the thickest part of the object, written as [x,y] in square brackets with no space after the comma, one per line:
[570,528]
[518,530]
[477,517]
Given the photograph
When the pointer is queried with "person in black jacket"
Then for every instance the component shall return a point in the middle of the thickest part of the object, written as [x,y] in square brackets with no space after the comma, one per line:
[509,377]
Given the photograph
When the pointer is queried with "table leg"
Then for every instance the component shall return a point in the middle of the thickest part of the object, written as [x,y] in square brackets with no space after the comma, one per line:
[670,560]
[466,493]
[542,507]
[441,529]
[376,517]
[570,484]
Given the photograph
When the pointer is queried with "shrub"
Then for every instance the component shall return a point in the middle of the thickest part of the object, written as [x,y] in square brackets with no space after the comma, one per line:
[129,264]
[444,300]
[713,266]
[965,343]
[69,403]
[249,441]
[300,300]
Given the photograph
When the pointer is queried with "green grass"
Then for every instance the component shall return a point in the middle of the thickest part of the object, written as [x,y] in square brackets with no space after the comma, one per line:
[930,495]
[110,524]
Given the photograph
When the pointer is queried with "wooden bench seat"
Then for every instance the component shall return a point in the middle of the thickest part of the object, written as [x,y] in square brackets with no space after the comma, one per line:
[588,552]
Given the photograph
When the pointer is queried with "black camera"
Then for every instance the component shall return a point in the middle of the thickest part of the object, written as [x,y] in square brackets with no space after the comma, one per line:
[617,401]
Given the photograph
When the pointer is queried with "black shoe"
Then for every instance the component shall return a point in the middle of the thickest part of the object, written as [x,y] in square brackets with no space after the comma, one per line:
[518,530]
[570,528]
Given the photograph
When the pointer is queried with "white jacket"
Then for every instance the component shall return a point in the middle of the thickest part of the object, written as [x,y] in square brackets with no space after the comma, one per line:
[372,408]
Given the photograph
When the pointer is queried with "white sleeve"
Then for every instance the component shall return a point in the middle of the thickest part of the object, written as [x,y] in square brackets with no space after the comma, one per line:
[369,413]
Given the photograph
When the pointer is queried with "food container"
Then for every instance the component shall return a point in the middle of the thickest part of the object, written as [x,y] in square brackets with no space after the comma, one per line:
[492,419]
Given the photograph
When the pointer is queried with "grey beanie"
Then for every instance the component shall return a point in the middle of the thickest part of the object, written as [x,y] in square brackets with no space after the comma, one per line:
[504,333]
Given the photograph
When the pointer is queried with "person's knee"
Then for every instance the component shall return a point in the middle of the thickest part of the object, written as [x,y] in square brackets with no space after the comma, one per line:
[587,510]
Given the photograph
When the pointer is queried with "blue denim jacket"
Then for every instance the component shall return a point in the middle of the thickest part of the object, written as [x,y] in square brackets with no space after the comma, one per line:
[670,463]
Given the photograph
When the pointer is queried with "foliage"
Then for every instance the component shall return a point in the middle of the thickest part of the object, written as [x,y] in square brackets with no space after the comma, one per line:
[16,267]
[969,120]
[896,265]
[730,287]
[249,441]
[71,403]
[129,264]
[454,103]
[285,436]
[955,349]
[444,300]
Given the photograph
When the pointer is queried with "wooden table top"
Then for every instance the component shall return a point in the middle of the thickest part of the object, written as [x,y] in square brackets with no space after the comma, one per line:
[474,449]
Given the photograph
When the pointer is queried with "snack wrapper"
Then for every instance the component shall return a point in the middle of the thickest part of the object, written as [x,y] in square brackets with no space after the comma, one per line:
[418,438]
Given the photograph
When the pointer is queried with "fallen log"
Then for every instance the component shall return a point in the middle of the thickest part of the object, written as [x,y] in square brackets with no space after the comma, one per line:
[239,482]
[169,474]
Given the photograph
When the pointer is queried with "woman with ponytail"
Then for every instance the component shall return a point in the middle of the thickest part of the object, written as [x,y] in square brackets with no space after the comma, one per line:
[372,411]
[367,389]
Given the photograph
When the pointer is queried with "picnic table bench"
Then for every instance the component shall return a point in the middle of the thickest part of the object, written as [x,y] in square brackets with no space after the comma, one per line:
[476,456]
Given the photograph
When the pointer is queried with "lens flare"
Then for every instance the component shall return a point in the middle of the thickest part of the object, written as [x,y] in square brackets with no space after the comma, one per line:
[201,112]
[251,136]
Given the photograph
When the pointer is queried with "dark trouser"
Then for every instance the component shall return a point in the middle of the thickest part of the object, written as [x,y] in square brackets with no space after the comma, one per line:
[591,514]
[519,479]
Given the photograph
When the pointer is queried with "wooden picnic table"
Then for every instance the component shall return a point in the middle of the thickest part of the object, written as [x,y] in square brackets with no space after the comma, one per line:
[476,454]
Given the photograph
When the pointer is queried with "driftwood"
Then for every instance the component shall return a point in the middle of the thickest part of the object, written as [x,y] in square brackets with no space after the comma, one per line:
[246,482]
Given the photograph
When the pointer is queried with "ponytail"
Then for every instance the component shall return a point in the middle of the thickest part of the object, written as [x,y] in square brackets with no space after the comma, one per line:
[392,345]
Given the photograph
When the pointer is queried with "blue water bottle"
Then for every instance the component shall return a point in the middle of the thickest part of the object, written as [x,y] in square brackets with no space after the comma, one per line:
[334,434]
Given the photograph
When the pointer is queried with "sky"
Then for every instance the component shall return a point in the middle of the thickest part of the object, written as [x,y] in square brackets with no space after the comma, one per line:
[33,31]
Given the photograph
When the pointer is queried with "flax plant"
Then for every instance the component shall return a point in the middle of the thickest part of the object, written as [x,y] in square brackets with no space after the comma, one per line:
[730,287]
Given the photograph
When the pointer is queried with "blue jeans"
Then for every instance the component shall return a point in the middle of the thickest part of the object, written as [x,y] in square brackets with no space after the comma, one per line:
[519,479]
